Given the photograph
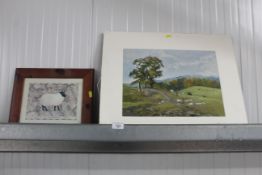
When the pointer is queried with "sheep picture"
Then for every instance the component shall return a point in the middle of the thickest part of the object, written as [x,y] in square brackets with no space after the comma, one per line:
[53,100]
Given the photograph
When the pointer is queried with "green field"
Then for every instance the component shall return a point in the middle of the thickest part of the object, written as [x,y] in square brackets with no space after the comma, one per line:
[193,101]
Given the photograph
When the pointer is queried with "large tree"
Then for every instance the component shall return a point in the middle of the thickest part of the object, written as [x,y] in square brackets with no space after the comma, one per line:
[145,71]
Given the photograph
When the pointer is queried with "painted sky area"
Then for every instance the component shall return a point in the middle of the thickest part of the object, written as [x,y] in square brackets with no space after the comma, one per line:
[176,62]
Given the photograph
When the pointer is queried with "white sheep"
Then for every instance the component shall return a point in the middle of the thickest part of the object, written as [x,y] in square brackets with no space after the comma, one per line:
[190,104]
[52,99]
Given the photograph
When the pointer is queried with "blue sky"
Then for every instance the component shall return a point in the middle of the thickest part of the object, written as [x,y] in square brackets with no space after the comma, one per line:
[176,62]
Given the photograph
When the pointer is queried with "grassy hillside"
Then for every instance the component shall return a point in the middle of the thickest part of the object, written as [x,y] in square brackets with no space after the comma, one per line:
[193,101]
[211,99]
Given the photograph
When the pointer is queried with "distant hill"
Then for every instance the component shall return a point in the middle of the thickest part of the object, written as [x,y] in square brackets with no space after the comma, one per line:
[189,77]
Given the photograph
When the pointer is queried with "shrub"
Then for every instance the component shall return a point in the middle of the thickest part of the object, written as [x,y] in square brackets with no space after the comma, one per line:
[189,93]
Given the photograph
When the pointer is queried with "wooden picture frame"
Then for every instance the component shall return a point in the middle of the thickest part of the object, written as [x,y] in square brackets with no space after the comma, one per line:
[34,88]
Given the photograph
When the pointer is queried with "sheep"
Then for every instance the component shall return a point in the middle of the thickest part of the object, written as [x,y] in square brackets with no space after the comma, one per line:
[200,103]
[190,104]
[52,99]
[188,100]
[179,100]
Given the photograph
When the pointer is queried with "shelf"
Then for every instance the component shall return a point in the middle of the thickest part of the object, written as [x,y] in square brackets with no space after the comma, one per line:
[132,139]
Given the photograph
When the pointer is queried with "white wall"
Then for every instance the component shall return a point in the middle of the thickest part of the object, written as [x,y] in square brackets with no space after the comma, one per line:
[67,33]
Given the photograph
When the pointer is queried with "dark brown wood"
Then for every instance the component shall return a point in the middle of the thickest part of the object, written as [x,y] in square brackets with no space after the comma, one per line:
[21,73]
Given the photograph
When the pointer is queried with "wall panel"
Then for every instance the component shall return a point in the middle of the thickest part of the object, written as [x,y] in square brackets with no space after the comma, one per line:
[135,16]
[248,62]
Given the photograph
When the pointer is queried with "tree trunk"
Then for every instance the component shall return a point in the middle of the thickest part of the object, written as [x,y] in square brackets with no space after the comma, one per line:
[151,84]
[139,87]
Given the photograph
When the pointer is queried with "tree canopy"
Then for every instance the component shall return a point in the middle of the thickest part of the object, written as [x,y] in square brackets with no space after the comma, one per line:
[146,70]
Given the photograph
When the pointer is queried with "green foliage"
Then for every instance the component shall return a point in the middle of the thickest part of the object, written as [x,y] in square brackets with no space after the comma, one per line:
[146,70]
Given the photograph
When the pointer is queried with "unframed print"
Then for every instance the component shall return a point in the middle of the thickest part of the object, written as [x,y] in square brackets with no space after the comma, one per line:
[195,80]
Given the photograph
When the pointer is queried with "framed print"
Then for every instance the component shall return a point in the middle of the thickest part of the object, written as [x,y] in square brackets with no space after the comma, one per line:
[159,78]
[52,96]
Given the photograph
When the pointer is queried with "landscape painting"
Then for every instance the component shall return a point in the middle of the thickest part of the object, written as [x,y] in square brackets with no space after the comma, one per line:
[171,83]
